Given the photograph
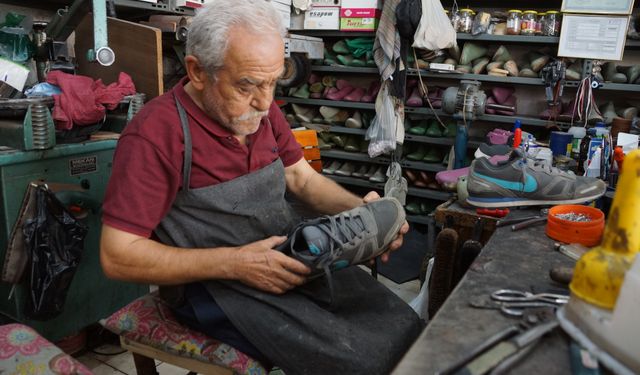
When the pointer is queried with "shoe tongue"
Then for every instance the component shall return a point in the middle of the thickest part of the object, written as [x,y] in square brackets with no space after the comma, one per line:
[517,153]
[317,240]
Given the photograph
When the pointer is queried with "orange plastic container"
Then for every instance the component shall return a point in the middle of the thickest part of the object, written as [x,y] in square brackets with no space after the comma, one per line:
[588,233]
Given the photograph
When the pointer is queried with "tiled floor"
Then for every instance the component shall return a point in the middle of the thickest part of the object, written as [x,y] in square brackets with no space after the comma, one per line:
[113,360]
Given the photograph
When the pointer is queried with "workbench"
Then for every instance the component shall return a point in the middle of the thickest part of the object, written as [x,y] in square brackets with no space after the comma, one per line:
[510,260]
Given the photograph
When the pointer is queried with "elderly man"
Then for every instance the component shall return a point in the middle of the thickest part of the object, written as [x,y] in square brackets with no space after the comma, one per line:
[196,205]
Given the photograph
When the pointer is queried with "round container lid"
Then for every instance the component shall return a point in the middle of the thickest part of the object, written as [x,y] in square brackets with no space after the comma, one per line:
[531,12]
[552,12]
[515,11]
[467,10]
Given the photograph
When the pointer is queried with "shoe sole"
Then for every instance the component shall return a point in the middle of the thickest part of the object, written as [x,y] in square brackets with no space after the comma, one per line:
[514,202]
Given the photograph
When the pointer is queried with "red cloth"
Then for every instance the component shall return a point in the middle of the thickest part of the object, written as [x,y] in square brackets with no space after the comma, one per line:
[147,165]
[83,100]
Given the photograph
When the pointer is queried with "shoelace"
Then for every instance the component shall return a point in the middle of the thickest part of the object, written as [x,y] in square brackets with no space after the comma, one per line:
[350,227]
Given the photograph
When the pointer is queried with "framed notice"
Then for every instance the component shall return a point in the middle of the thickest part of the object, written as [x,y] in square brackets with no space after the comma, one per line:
[597,6]
[593,37]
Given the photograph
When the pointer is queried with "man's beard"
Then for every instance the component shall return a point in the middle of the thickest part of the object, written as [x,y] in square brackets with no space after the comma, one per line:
[243,125]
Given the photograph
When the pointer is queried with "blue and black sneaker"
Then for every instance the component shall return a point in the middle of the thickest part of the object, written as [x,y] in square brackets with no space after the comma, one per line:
[520,181]
[330,243]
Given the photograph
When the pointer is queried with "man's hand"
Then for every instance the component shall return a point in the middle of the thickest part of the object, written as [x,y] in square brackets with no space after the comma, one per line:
[397,242]
[261,267]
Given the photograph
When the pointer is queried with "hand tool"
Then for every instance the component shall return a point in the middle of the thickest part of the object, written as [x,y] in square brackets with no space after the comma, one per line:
[504,348]
[573,251]
[501,223]
[528,223]
[511,295]
[494,212]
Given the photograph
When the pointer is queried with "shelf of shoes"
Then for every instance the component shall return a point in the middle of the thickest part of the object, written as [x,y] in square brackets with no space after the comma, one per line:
[630,87]
[344,69]
[492,118]
[413,191]
[355,156]
[478,77]
[420,219]
[509,38]
[330,103]
[335,33]
[161,6]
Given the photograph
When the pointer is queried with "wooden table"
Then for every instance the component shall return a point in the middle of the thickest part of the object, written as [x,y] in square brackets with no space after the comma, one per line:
[514,260]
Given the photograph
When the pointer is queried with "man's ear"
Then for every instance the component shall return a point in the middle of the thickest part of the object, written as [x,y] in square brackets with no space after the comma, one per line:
[195,71]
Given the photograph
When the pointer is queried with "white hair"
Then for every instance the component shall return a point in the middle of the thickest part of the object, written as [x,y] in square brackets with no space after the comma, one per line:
[208,38]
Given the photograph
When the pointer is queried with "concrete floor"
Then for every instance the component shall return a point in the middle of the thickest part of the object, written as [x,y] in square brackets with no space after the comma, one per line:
[113,360]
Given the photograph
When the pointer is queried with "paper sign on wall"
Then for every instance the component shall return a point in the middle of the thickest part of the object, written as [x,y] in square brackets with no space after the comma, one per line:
[593,37]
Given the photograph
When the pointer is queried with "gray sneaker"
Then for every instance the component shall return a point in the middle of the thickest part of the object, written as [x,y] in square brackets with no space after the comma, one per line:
[520,181]
[330,243]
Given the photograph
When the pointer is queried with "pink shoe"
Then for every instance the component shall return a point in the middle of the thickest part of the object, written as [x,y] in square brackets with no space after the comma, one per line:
[372,93]
[498,136]
[501,94]
[313,78]
[355,95]
[415,99]
[341,93]
[329,90]
[342,83]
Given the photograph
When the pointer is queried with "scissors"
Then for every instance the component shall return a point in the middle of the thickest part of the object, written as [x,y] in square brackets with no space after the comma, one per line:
[510,295]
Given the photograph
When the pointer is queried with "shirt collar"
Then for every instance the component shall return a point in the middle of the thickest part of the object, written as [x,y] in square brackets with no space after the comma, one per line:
[198,114]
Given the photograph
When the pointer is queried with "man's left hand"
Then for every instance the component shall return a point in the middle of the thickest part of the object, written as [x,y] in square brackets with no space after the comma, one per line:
[397,242]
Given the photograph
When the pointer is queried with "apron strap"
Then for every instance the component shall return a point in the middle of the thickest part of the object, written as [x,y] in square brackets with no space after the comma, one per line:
[186,167]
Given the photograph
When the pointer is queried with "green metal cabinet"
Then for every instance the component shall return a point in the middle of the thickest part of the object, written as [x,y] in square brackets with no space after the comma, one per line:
[91,296]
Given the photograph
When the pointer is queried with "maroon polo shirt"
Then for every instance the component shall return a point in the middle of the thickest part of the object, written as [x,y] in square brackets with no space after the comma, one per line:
[147,166]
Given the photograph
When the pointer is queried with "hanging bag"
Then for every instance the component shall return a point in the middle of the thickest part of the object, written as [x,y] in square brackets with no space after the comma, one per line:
[54,240]
[435,31]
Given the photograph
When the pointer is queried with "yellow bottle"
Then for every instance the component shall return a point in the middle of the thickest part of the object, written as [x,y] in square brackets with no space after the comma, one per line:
[600,273]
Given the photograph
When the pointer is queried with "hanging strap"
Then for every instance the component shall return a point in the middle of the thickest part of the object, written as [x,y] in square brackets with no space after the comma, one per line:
[186,167]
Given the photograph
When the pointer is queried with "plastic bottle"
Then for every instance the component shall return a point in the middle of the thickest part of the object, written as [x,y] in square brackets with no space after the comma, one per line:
[517,134]
[601,130]
[578,133]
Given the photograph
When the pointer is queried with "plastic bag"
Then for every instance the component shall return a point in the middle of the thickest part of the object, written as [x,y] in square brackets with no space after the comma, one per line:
[435,30]
[55,240]
[382,132]
[15,44]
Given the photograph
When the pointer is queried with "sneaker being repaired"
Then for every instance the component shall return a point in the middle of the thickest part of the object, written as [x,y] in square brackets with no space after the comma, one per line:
[520,181]
[351,237]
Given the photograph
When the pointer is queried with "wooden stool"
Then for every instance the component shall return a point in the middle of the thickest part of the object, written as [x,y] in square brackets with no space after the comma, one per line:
[148,329]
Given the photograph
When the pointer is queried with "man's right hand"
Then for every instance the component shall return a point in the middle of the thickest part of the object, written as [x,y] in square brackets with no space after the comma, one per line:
[261,267]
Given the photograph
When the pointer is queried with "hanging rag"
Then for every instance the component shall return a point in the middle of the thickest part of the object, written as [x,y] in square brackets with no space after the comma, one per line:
[83,100]
[386,48]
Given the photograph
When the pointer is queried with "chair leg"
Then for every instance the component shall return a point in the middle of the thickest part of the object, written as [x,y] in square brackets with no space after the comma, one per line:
[144,365]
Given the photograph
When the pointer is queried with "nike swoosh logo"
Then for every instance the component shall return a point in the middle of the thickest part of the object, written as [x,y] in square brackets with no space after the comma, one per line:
[530,184]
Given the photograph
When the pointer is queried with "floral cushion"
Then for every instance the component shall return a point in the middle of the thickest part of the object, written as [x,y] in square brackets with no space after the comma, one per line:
[149,321]
[24,351]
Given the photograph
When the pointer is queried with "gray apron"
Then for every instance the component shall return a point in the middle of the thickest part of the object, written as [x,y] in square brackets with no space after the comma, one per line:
[365,330]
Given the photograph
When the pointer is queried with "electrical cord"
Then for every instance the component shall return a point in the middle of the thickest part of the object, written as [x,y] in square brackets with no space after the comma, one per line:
[424,90]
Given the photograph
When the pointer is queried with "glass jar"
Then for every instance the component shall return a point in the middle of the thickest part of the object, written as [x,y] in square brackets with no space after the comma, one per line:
[528,24]
[455,19]
[466,20]
[513,22]
[552,25]
[542,19]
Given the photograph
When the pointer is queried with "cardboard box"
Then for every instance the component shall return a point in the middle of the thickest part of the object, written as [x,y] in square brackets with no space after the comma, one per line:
[376,4]
[360,12]
[323,18]
[325,3]
[359,24]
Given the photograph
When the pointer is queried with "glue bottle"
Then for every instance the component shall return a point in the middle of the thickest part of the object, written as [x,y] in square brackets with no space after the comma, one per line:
[517,134]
